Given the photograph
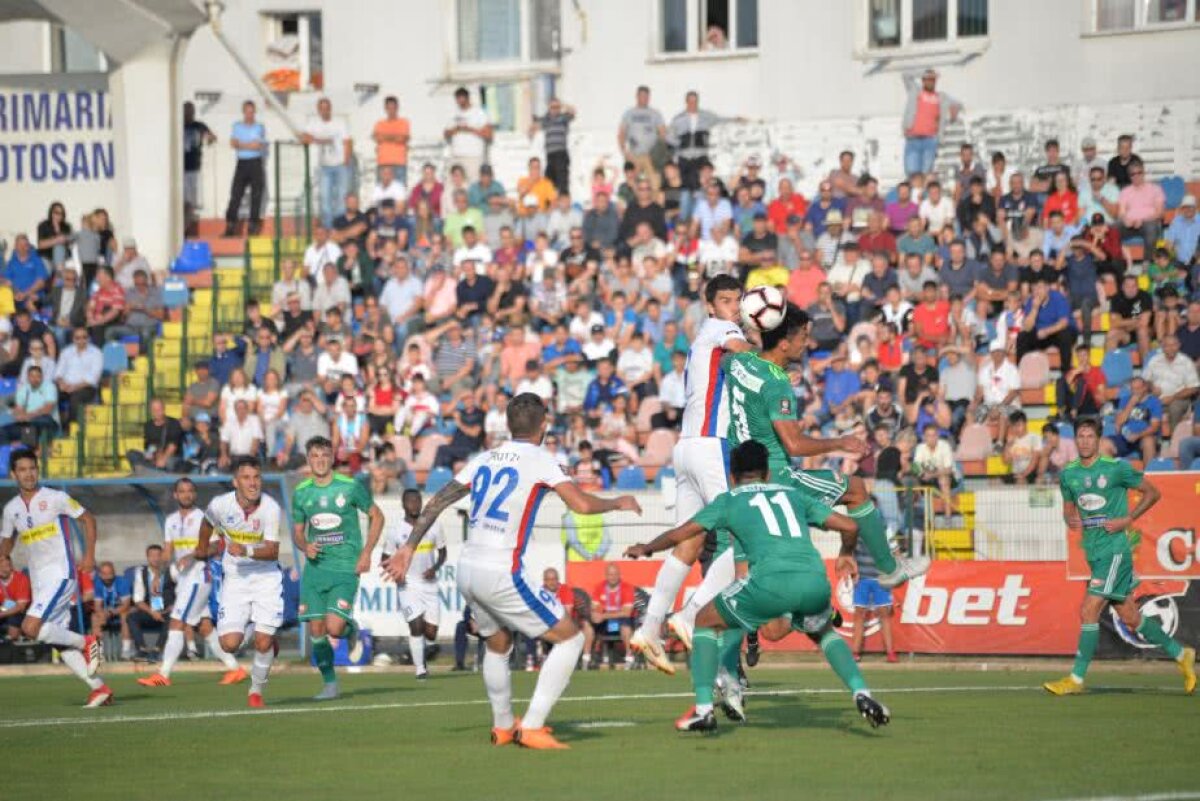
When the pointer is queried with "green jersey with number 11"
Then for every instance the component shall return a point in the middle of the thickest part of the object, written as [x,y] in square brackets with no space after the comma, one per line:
[760,393]
[770,522]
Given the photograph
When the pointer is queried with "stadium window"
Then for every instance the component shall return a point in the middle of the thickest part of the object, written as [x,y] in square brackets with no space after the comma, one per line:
[293,53]
[1120,16]
[72,53]
[490,32]
[704,27]
[917,24]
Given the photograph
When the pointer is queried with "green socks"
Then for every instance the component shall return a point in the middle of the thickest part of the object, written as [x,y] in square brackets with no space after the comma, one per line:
[704,667]
[1152,633]
[323,654]
[874,534]
[1089,635]
[842,661]
[729,648]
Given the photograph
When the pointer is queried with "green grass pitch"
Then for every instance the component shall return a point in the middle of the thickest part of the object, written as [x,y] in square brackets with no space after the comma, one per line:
[954,735]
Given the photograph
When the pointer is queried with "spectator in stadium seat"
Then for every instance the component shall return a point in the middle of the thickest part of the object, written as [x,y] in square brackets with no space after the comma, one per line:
[916,242]
[958,274]
[994,283]
[867,202]
[162,442]
[25,273]
[1172,377]
[35,410]
[577,612]
[933,464]
[105,308]
[1189,330]
[917,378]
[937,210]
[1081,391]
[1140,207]
[1132,317]
[351,433]
[571,382]
[982,238]
[241,434]
[931,318]
[998,392]
[468,435]
[78,373]
[876,283]
[153,596]
[1082,282]
[564,217]
[828,316]
[68,305]
[1044,177]
[1099,196]
[1018,208]
[1047,323]
[332,292]
[601,224]
[1057,452]
[535,197]
[1189,447]
[1138,423]
[804,280]
[1022,451]
[1183,234]
[15,596]
[876,236]
[305,421]
[825,204]
[957,384]
[975,201]
[603,389]
[113,601]
[612,609]
[965,171]
[1120,165]
[926,113]
[642,130]
[787,203]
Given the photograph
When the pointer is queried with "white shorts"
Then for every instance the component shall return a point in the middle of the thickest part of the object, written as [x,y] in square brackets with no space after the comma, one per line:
[191,594]
[53,596]
[256,598]
[500,598]
[701,465]
[420,599]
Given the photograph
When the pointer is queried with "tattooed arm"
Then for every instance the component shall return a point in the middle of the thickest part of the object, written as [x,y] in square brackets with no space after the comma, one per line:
[397,566]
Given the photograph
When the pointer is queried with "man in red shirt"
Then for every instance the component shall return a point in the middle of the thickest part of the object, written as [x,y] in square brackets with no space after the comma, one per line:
[552,584]
[789,203]
[877,237]
[106,305]
[804,280]
[931,318]
[612,609]
[15,597]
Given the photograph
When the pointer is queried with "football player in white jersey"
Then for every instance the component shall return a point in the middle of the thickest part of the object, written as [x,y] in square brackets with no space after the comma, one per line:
[39,518]
[699,457]
[506,485]
[418,595]
[252,589]
[193,584]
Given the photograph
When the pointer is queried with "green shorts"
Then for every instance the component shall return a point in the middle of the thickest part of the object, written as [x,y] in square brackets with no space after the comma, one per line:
[1112,576]
[327,592]
[827,486]
[761,597]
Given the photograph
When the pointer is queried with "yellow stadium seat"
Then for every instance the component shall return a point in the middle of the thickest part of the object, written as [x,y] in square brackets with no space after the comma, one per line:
[172,330]
[201,297]
[167,347]
[141,366]
[966,502]
[1051,395]
[98,415]
[996,466]
[174,409]
[62,468]
[63,448]
[260,245]
[127,444]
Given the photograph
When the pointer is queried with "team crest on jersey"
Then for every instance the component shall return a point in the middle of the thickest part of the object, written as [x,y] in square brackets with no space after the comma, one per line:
[785,406]
[323,502]
[1102,482]
[343,603]
[1087,482]
[341,501]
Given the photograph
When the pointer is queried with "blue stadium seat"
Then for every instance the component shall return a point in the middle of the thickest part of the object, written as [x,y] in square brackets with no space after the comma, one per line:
[115,358]
[438,478]
[1160,465]
[5,455]
[1117,367]
[195,256]
[665,472]
[1195,465]
[8,386]
[1110,427]
[1174,188]
[631,478]
[175,293]
[1066,430]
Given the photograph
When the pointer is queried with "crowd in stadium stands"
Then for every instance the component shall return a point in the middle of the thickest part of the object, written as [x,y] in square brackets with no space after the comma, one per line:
[939,306]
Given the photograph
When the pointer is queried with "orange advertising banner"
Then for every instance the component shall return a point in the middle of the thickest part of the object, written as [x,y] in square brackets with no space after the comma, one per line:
[1165,544]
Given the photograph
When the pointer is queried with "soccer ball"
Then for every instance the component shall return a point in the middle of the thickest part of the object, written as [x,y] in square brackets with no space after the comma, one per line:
[763,308]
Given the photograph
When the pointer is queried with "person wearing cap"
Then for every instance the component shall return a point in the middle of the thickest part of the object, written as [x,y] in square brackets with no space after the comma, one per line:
[751,178]
[1118,165]
[1088,161]
[535,196]
[833,238]
[639,134]
[1042,182]
[926,113]
[1183,234]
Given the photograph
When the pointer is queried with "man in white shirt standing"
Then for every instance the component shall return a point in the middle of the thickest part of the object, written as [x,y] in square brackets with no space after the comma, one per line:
[334,151]
[469,134]
[321,251]
[998,391]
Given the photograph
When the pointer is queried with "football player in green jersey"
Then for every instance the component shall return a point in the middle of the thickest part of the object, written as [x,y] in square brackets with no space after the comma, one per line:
[325,528]
[1095,498]
[787,576]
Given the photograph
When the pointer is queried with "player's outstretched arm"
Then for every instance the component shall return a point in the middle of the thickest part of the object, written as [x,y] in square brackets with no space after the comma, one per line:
[396,566]
[585,503]
[797,443]
[88,563]
[666,540]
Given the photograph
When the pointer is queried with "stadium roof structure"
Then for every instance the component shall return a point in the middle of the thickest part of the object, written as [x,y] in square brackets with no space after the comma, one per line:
[119,28]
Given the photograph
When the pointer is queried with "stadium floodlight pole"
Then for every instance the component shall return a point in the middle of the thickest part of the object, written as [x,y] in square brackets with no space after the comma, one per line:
[215,8]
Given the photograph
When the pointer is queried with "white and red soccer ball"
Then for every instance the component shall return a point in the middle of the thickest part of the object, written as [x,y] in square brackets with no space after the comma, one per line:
[763,308]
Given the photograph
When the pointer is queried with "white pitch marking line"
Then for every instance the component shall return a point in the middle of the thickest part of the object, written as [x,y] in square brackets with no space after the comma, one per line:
[321,708]
[1183,795]
[602,724]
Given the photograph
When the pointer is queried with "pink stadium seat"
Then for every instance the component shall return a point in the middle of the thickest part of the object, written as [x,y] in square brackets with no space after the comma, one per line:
[1178,435]
[975,443]
[404,448]
[427,449]
[658,449]
[1034,370]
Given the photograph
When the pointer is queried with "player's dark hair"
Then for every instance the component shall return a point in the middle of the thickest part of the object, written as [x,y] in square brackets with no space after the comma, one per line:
[721,283]
[410,491]
[1017,417]
[317,442]
[1088,422]
[749,459]
[526,412]
[154,547]
[20,456]
[793,320]
[181,481]
[245,461]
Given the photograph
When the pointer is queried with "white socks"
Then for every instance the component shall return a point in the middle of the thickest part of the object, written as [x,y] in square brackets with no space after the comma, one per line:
[430,642]
[60,637]
[213,642]
[78,664]
[721,573]
[667,584]
[556,674]
[498,682]
[416,646]
[171,652]
[260,670]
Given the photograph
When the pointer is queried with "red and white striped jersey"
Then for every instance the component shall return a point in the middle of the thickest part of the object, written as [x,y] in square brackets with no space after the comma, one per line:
[706,412]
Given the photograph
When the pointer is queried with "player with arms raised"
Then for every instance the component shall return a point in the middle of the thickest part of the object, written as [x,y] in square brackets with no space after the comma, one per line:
[1095,492]
[325,529]
[181,532]
[39,517]
[507,485]
[787,576]
[252,587]
[418,594]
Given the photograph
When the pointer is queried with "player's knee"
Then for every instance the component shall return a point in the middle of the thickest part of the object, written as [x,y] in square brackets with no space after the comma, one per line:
[31,627]
[231,642]
[263,642]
